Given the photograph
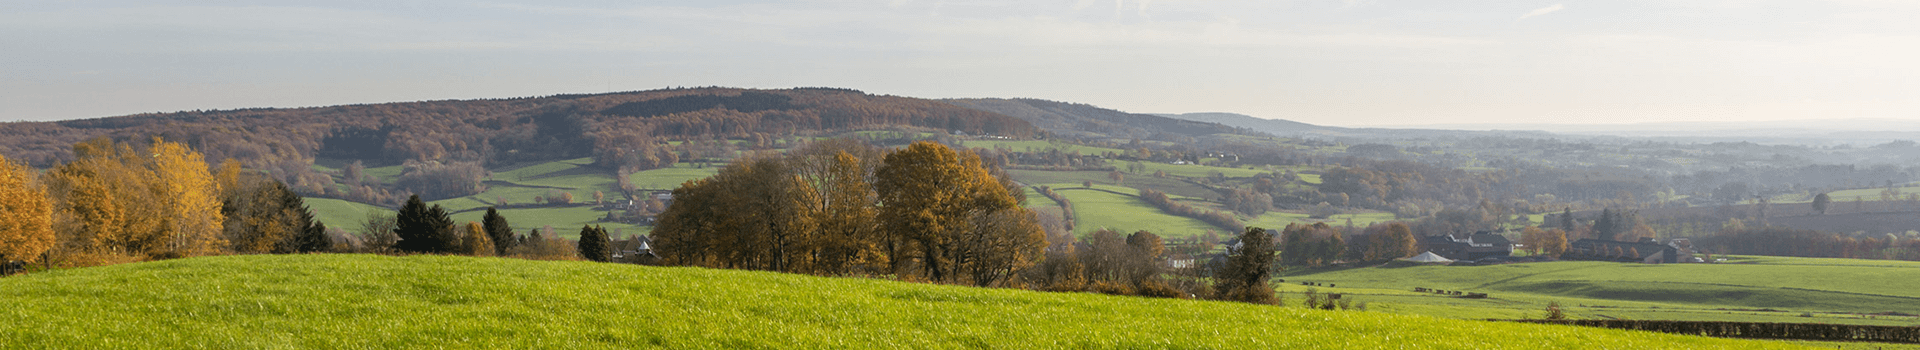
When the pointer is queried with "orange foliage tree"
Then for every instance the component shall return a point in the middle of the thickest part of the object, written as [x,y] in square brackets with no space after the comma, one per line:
[26,217]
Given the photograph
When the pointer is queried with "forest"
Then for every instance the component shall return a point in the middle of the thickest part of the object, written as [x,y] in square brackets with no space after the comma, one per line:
[781,152]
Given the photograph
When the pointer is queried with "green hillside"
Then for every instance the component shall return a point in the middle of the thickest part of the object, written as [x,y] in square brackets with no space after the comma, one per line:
[367,301]
[1759,289]
[341,214]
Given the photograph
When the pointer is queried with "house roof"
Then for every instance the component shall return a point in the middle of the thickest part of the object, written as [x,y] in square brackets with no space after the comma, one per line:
[1489,238]
[1428,257]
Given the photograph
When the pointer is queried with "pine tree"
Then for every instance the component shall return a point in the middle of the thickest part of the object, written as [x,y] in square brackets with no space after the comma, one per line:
[594,245]
[424,230]
[314,239]
[498,231]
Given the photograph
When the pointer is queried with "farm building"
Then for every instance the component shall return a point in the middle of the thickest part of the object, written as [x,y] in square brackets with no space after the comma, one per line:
[1645,250]
[635,250]
[1467,246]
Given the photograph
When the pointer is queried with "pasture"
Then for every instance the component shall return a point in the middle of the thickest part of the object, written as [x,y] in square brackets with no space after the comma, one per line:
[1756,289]
[1126,213]
[427,301]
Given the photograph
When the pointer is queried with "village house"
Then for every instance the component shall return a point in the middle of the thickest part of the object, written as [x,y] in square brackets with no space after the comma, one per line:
[1474,246]
[637,249]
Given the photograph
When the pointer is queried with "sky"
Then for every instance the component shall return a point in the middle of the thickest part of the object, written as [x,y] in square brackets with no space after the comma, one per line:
[1330,62]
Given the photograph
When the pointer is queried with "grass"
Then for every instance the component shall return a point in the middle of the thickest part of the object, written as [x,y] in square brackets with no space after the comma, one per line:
[670,177]
[1094,210]
[1037,146]
[1059,179]
[366,301]
[341,214]
[1753,289]
[565,221]
[519,184]
[1279,219]
[1188,170]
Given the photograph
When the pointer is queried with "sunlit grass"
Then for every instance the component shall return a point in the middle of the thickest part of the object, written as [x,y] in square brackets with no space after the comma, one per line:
[364,301]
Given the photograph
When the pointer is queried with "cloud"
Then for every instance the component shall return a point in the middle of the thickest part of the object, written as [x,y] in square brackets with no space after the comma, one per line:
[1542,11]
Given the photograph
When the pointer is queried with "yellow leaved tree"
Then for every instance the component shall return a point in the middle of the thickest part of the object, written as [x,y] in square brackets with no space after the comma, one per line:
[26,217]
[122,203]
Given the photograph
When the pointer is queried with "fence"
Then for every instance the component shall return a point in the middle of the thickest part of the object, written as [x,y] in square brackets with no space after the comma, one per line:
[1755,330]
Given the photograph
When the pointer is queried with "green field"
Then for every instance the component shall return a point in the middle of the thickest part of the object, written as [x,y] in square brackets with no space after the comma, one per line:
[565,221]
[1038,146]
[1095,210]
[519,184]
[1279,219]
[670,177]
[1755,289]
[426,301]
[341,214]
[1059,179]
[1188,170]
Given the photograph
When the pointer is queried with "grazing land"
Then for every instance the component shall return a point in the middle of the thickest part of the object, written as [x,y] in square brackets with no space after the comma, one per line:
[368,301]
[1748,289]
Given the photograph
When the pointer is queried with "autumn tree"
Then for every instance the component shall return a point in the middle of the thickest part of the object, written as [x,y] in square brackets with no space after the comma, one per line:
[1313,244]
[189,197]
[847,231]
[1389,241]
[263,215]
[1244,277]
[156,201]
[423,229]
[476,241]
[26,215]
[377,232]
[1547,242]
[933,197]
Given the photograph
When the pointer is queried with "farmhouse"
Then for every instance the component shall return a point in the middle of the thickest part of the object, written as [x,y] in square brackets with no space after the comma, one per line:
[634,250]
[1475,246]
[1645,250]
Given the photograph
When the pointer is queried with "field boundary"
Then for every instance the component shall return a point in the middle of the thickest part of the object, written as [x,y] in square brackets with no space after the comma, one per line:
[1754,330]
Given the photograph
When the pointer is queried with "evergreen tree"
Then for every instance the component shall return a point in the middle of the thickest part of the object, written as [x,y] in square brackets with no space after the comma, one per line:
[423,229]
[1605,227]
[314,239]
[1244,278]
[1566,219]
[594,244]
[498,231]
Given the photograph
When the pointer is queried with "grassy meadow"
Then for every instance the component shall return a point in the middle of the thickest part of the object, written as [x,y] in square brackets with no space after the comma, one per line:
[1752,289]
[425,301]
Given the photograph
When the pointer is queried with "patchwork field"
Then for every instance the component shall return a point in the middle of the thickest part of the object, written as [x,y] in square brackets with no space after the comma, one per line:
[425,301]
[1757,289]
[519,184]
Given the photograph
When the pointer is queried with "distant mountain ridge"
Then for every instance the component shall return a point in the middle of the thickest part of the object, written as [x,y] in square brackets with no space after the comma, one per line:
[1083,120]
[1288,128]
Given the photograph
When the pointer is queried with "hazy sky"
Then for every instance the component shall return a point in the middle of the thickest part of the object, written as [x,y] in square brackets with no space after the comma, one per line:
[1352,62]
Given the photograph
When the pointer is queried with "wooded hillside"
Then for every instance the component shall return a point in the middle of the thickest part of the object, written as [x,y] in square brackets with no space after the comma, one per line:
[502,130]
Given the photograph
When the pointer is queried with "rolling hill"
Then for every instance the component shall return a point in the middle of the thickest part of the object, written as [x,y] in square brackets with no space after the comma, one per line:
[366,301]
